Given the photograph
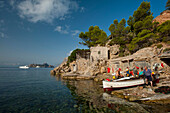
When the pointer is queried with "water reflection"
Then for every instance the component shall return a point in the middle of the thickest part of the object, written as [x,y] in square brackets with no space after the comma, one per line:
[91,97]
[88,95]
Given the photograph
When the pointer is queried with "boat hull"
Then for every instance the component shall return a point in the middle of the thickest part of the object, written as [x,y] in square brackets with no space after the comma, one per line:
[122,84]
[23,67]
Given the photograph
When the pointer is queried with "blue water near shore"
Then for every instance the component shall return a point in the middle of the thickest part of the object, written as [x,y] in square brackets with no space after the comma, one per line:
[33,90]
[36,91]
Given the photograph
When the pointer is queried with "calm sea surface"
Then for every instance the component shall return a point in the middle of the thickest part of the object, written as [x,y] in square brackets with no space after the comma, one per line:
[36,91]
[33,90]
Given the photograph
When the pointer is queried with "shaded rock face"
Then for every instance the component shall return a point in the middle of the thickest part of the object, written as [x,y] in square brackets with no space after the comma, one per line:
[164,16]
[85,54]
[114,51]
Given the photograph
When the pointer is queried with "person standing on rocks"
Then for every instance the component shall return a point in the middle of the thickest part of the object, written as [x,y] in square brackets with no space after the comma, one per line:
[141,72]
[118,73]
[148,74]
[127,72]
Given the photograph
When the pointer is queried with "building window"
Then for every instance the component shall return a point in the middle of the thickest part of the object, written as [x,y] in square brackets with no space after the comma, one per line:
[98,52]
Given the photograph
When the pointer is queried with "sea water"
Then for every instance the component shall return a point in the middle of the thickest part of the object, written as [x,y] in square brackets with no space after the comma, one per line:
[34,90]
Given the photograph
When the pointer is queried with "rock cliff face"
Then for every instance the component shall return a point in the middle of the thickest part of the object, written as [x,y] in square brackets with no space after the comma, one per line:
[105,61]
[62,68]
[114,51]
[164,16]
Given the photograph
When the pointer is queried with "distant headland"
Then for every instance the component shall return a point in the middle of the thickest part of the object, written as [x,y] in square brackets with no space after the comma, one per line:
[44,65]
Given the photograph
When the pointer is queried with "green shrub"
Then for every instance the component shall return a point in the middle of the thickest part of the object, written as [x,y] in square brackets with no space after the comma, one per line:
[121,54]
[165,39]
[167,49]
[168,42]
[159,46]
[72,56]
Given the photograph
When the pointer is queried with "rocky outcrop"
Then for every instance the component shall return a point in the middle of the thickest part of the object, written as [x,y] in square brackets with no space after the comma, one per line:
[164,16]
[114,51]
[44,65]
[87,66]
[62,68]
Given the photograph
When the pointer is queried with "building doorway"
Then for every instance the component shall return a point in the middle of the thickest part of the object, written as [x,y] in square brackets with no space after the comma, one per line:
[108,54]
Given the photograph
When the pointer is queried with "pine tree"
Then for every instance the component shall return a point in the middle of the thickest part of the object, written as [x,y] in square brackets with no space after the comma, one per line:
[95,36]
[168,5]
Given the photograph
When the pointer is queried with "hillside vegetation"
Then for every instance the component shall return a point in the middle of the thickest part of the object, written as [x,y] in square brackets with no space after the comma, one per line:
[137,32]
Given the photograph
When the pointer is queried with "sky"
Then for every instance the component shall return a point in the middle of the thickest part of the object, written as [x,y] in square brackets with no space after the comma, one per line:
[39,31]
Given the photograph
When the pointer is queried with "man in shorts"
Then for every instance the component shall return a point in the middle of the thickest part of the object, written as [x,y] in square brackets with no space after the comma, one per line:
[148,74]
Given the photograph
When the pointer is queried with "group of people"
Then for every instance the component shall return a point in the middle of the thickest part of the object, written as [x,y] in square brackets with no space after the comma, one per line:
[145,73]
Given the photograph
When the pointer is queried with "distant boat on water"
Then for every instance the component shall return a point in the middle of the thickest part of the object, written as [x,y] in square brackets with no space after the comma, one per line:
[23,67]
[37,66]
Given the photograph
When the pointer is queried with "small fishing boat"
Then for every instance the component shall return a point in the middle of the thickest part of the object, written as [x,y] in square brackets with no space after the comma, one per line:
[23,67]
[122,83]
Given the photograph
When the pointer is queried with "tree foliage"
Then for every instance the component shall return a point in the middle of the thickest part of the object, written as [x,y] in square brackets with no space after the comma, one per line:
[164,31]
[142,12]
[142,27]
[72,56]
[167,5]
[118,29]
[95,36]
[139,32]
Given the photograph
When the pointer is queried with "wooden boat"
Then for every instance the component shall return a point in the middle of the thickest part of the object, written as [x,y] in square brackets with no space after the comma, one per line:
[122,83]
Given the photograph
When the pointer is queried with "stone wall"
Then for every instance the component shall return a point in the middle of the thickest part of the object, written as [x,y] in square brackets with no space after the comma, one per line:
[144,57]
[99,61]
[82,65]
[98,53]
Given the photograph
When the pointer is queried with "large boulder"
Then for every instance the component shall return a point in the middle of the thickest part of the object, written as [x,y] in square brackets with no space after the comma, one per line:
[103,70]
[114,51]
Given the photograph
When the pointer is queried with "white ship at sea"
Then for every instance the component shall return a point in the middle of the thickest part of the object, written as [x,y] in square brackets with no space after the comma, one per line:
[23,67]
[37,66]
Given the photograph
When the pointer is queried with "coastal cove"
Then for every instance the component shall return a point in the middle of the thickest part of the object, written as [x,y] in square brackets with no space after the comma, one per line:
[85,56]
[35,90]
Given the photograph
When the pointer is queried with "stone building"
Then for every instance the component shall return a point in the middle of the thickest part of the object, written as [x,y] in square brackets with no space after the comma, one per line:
[99,53]
[98,60]
[104,53]
[164,16]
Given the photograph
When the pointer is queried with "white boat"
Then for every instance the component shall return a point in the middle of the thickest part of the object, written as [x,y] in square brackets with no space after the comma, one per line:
[122,83]
[23,67]
[37,66]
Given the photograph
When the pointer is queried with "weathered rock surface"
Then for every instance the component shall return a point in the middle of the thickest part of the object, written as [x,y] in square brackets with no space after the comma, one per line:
[114,51]
[62,68]
[74,76]
[98,64]
[164,16]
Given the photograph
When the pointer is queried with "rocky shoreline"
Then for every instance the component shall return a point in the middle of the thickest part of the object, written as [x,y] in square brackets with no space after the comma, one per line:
[139,94]
[119,100]
[102,65]
[84,68]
